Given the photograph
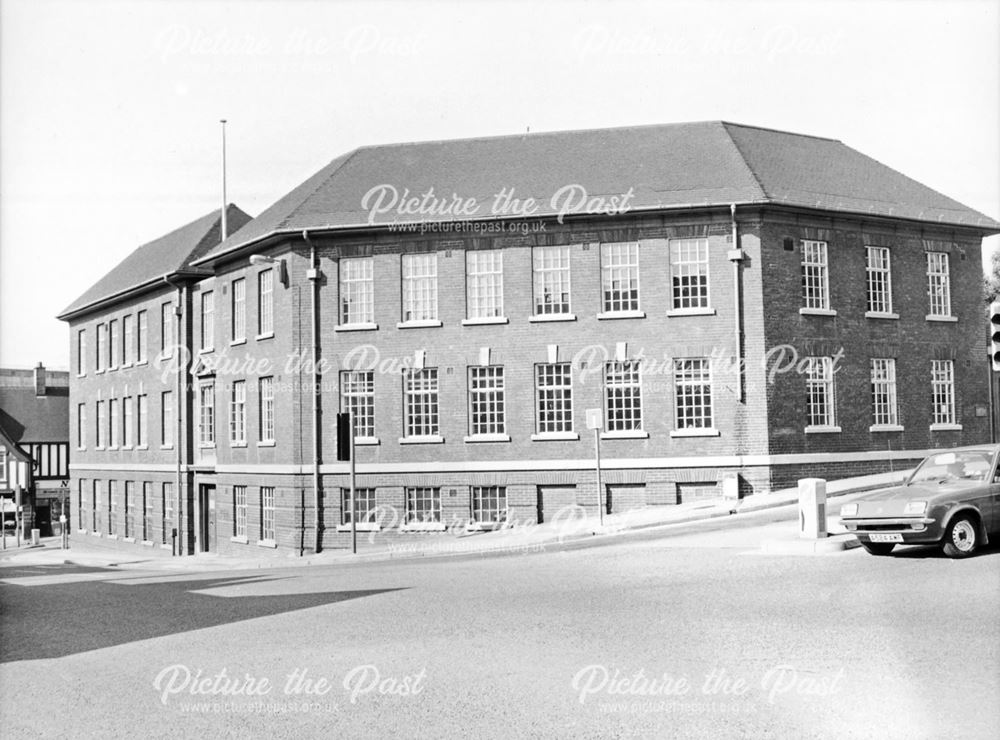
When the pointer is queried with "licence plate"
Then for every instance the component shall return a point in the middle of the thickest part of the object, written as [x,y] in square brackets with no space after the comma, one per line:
[885,537]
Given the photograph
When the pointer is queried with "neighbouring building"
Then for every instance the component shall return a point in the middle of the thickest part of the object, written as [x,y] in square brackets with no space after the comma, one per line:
[34,447]
[744,306]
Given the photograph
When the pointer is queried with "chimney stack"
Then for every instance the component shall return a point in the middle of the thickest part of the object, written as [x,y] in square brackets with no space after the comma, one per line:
[40,380]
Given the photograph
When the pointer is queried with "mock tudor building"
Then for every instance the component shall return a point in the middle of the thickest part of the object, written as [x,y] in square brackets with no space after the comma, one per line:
[34,447]
[744,306]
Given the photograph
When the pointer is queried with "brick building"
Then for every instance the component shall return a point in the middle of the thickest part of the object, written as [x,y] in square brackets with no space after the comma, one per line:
[128,408]
[746,306]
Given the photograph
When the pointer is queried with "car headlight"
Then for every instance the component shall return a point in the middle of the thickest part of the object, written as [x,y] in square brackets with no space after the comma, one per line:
[849,510]
[915,507]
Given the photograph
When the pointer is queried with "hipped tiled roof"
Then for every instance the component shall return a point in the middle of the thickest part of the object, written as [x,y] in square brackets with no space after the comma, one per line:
[664,166]
[169,254]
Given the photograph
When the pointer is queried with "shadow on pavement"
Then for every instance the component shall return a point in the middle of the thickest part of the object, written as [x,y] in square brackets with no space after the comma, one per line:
[59,619]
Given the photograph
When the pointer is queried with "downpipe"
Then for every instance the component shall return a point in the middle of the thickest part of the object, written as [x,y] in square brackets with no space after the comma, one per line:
[736,256]
[314,278]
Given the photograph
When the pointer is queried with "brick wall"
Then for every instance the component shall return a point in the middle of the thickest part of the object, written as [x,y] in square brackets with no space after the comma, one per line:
[654,470]
[911,339]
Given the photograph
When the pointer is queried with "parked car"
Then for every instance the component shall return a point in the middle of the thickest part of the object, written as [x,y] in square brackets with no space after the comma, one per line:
[952,499]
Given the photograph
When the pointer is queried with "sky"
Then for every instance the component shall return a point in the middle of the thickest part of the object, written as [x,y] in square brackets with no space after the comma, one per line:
[109,111]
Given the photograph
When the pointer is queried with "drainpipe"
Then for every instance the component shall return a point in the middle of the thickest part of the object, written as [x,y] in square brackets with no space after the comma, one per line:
[736,256]
[314,275]
[178,442]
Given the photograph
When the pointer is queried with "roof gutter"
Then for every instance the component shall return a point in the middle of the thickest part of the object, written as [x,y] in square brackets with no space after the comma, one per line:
[985,229]
[399,225]
[135,289]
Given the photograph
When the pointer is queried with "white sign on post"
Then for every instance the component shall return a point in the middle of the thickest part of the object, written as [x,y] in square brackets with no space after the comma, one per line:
[594,419]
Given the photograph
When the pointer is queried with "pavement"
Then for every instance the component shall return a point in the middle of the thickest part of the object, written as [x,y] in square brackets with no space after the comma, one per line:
[690,632]
[777,537]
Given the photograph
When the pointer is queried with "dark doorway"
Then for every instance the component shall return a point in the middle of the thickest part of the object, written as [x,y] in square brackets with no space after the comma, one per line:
[43,520]
[206,510]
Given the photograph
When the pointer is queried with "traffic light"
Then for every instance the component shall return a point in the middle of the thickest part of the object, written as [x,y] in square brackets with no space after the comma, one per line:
[995,335]
[344,435]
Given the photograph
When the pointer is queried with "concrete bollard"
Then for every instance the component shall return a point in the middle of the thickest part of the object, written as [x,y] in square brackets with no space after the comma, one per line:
[812,508]
[36,536]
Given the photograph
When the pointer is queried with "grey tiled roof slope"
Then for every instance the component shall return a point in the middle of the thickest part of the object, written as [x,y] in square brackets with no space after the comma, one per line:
[168,254]
[26,417]
[667,166]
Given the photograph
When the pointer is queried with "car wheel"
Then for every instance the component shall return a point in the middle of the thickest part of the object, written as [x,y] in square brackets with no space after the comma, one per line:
[962,537]
[877,548]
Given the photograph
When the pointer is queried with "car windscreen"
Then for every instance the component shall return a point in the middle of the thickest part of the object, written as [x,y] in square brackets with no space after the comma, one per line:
[966,465]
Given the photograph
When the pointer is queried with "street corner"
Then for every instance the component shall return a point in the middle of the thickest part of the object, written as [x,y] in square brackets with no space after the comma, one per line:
[831,545]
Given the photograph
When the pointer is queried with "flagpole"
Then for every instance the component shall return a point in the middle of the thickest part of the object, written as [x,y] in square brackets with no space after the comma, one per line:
[225,231]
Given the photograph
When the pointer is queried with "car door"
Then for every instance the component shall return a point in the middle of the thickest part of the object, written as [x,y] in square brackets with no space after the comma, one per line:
[992,515]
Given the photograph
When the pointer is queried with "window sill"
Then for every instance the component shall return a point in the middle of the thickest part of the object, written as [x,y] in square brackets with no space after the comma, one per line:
[142,447]
[430,439]
[240,540]
[141,362]
[81,375]
[423,527]
[164,546]
[366,441]
[129,539]
[943,319]
[421,324]
[112,448]
[554,436]
[81,449]
[621,315]
[260,337]
[675,312]
[95,534]
[207,446]
[885,428]
[360,527]
[946,427]
[628,434]
[367,326]
[822,430]
[817,312]
[81,531]
[101,448]
[147,543]
[238,445]
[206,350]
[483,526]
[112,537]
[266,443]
[126,365]
[485,320]
[267,543]
[543,317]
[695,432]
[486,438]
[126,447]
[880,315]
[166,447]
[238,342]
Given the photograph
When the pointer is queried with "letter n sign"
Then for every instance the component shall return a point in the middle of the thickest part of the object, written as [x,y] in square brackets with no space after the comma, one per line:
[344,436]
